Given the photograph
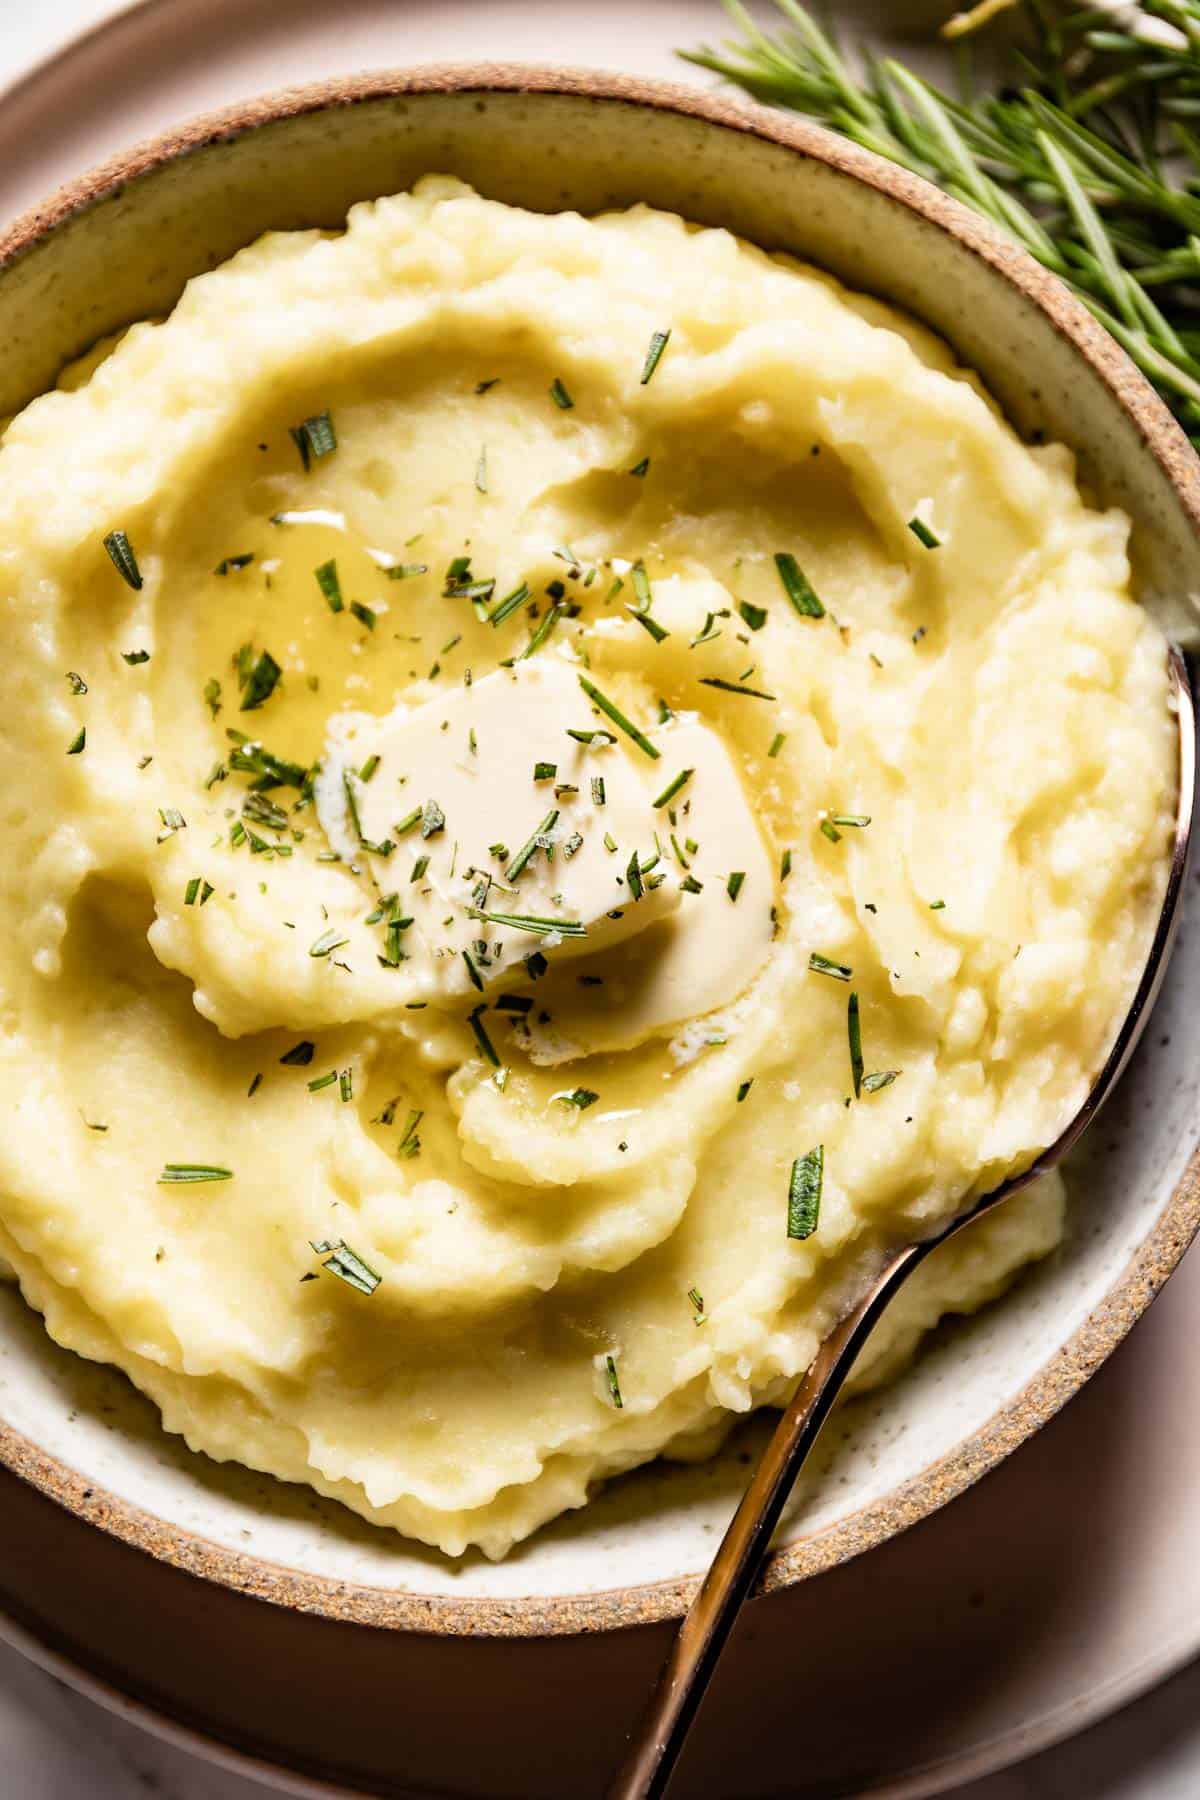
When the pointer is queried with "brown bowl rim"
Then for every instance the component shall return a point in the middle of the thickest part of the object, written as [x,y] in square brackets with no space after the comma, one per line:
[1075,1361]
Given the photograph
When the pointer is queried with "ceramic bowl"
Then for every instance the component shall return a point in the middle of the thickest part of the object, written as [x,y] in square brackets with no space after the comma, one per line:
[118,245]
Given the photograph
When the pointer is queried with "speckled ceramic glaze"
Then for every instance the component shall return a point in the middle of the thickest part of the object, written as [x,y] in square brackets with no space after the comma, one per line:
[119,245]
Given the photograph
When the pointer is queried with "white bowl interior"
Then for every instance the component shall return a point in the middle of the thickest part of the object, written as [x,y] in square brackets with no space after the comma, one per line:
[128,256]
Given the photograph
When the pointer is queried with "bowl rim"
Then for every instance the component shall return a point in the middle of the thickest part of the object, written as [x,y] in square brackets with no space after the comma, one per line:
[1157,1255]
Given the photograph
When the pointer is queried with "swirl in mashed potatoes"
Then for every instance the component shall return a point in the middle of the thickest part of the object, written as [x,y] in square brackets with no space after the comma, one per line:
[450,1182]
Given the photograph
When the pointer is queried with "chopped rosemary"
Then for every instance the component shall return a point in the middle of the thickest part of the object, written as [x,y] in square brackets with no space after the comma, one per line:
[229,565]
[743,1089]
[366,615]
[77,742]
[330,585]
[580,1097]
[509,604]
[785,865]
[777,743]
[327,942]
[252,758]
[124,561]
[614,1386]
[300,1055]
[322,1081]
[697,1300]
[134,657]
[410,1144]
[534,922]
[408,822]
[597,785]
[734,885]
[544,771]
[349,1266]
[755,616]
[475,1020]
[545,626]
[212,695]
[393,955]
[618,718]
[673,787]
[539,841]
[640,468]
[821,965]
[351,799]
[848,820]
[854,1036]
[402,571]
[830,830]
[314,437]
[924,535]
[514,1003]
[937,906]
[797,586]
[260,682]
[181,1172]
[733,687]
[263,811]
[633,876]
[658,343]
[804,1193]
[560,396]
[657,632]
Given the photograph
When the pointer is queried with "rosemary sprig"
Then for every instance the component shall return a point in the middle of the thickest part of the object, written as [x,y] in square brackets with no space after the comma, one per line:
[1093,166]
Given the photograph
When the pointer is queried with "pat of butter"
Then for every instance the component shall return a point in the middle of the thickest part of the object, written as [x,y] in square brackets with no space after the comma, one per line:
[710,950]
[494,814]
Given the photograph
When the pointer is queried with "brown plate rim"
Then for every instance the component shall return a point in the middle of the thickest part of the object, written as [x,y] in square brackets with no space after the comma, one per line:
[1156,1257]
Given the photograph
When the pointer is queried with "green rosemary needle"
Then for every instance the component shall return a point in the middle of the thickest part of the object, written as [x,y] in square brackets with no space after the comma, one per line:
[1088,156]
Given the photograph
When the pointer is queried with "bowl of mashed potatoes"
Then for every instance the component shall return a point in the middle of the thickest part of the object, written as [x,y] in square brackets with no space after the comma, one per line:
[589,750]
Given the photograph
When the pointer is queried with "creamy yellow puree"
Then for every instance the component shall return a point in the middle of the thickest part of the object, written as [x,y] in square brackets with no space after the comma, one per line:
[450,1237]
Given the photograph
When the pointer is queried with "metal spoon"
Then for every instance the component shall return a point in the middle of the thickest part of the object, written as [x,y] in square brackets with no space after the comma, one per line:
[658,1740]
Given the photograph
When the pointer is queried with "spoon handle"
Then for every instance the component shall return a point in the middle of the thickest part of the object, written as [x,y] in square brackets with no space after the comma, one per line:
[655,1746]
[659,1737]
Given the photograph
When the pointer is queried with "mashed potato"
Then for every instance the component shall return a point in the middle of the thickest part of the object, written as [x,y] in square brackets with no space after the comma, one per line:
[450,1253]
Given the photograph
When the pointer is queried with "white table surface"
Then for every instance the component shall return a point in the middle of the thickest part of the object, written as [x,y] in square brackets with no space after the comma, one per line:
[57,1745]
